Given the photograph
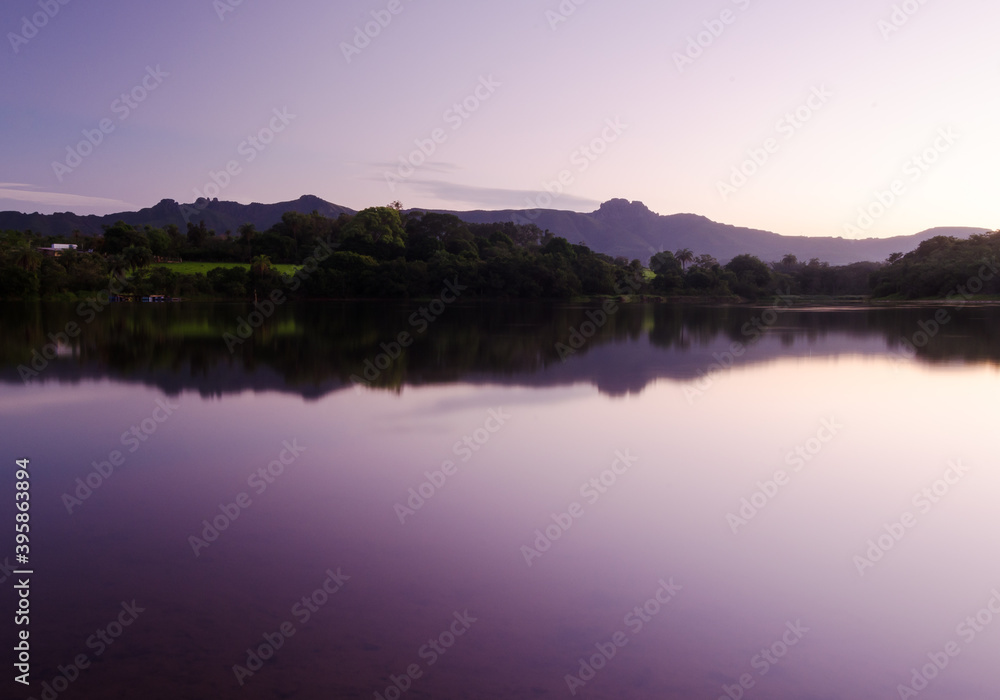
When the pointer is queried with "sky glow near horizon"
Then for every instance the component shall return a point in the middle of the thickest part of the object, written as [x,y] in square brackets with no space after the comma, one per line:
[877,104]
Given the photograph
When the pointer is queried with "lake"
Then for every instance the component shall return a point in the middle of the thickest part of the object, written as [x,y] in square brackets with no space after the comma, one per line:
[367,500]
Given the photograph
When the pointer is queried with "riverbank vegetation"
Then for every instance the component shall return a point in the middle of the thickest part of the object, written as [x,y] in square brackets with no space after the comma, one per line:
[382,253]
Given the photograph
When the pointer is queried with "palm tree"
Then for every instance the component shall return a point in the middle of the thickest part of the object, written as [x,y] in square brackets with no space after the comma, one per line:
[26,257]
[684,256]
[260,271]
[260,266]
[247,232]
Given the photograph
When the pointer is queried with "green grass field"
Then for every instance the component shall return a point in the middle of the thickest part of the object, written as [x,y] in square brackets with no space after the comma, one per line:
[194,268]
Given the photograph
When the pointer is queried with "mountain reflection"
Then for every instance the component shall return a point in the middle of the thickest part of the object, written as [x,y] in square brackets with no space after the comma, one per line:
[318,348]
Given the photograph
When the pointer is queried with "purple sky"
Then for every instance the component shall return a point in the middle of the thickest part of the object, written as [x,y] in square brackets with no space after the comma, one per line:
[609,98]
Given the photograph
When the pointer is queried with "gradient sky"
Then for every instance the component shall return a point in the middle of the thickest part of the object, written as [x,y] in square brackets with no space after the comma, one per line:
[554,85]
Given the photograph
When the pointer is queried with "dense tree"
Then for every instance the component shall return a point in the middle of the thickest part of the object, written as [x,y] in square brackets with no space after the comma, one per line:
[753,276]
[120,236]
[381,252]
[668,270]
[377,231]
[247,233]
[176,238]
[159,243]
[304,231]
[943,266]
[197,235]
[275,247]
[230,282]
[137,257]
[116,265]
[26,257]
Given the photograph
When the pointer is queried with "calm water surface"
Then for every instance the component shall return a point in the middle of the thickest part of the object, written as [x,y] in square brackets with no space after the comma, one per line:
[801,501]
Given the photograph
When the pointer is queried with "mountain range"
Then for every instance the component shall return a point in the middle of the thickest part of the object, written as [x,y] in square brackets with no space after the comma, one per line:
[618,227]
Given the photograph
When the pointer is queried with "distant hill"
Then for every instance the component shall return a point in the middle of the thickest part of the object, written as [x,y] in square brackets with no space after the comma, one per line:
[218,216]
[618,227]
[630,229]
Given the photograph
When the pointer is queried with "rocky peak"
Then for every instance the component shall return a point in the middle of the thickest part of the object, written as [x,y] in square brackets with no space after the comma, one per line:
[622,209]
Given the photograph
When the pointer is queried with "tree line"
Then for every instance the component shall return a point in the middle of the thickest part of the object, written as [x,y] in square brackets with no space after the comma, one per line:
[381,252]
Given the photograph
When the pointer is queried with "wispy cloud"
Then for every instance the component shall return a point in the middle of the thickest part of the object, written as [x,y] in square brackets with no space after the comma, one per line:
[496,197]
[437,167]
[20,192]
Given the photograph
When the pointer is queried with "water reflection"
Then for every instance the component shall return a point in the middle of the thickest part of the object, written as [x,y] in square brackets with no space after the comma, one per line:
[314,349]
[477,442]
